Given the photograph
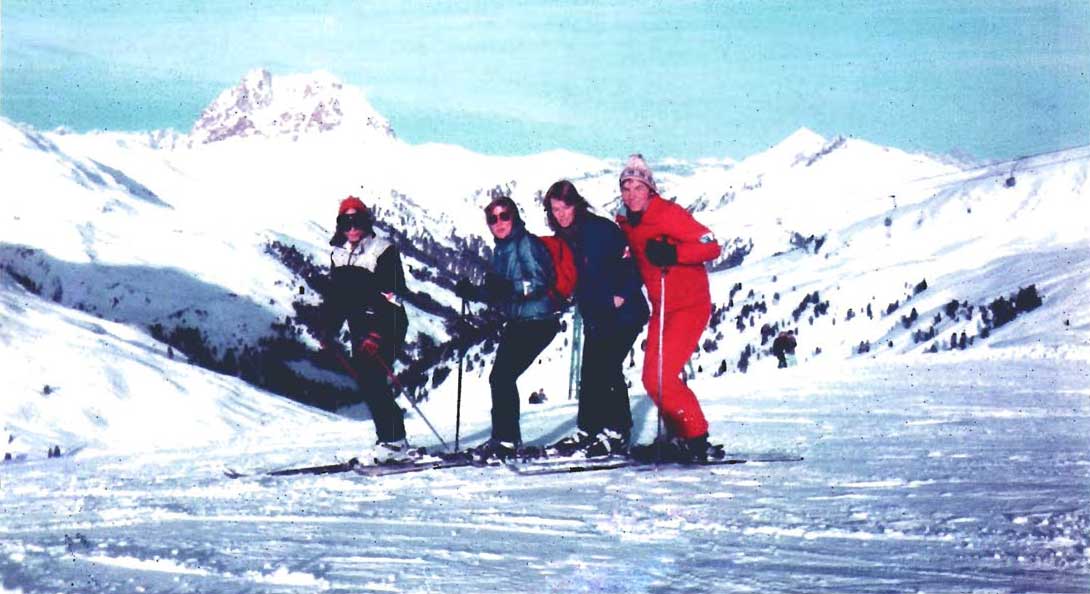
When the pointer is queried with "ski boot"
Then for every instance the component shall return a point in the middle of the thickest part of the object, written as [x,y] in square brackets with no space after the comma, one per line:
[607,443]
[570,445]
[394,452]
[494,449]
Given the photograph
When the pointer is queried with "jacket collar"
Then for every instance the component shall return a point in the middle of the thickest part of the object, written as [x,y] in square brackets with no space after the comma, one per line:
[518,229]
[633,219]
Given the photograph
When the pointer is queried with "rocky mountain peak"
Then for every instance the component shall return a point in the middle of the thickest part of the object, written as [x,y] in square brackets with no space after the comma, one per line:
[292,105]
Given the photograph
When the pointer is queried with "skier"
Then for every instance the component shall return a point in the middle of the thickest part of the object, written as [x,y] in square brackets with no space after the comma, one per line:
[366,285]
[538,397]
[670,248]
[517,286]
[784,345]
[610,300]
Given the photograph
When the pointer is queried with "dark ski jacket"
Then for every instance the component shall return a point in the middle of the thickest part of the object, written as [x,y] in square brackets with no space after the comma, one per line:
[366,288]
[605,269]
[524,260]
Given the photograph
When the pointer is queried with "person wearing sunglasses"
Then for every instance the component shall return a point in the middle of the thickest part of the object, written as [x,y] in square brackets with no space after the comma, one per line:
[517,287]
[609,297]
[670,248]
[366,287]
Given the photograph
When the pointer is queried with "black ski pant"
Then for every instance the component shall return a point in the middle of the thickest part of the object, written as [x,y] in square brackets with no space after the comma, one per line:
[603,392]
[374,382]
[520,343]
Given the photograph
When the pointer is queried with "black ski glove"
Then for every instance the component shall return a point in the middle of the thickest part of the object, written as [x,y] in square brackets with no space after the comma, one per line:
[660,253]
[498,288]
[467,290]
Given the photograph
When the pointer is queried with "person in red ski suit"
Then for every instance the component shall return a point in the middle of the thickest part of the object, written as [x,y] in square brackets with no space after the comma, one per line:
[670,248]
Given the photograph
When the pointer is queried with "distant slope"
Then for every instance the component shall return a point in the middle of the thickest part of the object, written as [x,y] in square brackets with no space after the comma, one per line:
[75,380]
[975,239]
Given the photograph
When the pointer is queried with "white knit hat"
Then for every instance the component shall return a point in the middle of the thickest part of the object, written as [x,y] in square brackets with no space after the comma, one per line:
[638,170]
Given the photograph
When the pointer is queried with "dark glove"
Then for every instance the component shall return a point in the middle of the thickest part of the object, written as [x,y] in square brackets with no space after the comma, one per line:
[497,287]
[466,290]
[466,327]
[371,344]
[660,253]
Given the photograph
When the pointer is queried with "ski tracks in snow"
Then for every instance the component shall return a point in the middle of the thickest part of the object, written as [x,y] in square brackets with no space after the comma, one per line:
[897,495]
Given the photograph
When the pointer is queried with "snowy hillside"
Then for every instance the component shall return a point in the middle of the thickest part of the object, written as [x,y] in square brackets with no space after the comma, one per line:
[949,248]
[210,244]
[77,381]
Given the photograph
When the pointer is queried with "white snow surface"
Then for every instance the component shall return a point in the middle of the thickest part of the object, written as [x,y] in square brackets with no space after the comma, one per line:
[960,470]
[934,475]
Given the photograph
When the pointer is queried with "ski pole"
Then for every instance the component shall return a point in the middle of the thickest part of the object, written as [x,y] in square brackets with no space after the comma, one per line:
[458,410]
[397,383]
[390,374]
[662,326]
[575,370]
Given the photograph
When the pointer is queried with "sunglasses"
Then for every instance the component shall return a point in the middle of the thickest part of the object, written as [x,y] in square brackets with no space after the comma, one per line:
[503,215]
[356,220]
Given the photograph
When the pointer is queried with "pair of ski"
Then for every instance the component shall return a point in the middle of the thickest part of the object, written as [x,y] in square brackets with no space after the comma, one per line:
[354,465]
[524,466]
[546,466]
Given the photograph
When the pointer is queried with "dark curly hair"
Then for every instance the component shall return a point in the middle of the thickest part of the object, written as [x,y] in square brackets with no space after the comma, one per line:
[565,192]
[507,203]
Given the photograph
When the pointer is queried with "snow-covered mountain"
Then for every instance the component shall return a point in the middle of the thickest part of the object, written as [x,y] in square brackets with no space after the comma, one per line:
[124,244]
[289,106]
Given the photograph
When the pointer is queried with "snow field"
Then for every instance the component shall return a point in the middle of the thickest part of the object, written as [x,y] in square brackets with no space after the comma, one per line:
[930,482]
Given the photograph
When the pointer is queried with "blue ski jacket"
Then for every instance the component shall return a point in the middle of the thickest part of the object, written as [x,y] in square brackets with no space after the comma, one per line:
[523,259]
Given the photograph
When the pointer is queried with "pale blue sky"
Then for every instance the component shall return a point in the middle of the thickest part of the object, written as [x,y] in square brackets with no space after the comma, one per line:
[994,79]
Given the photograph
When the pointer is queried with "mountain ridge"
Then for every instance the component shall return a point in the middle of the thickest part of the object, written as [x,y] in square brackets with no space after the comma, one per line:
[206,249]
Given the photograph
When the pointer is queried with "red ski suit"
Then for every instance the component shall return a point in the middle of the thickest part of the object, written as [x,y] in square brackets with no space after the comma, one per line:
[688,308]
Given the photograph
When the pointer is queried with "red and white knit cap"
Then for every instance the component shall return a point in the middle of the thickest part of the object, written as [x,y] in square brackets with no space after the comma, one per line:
[637,169]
